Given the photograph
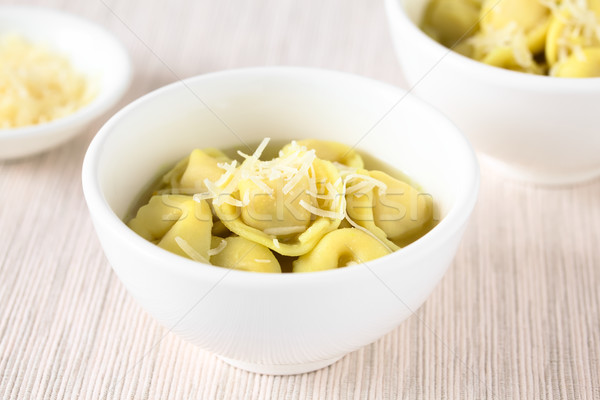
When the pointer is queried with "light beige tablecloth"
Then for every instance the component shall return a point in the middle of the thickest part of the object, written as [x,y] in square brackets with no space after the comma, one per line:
[517,316]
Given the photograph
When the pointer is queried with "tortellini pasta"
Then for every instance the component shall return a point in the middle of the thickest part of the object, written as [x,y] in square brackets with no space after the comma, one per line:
[556,37]
[243,254]
[341,248]
[315,201]
[451,21]
[189,174]
[331,151]
[176,223]
[575,65]
[392,210]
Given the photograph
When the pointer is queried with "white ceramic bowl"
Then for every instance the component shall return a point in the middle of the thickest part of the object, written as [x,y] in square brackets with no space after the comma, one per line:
[278,323]
[537,128]
[92,51]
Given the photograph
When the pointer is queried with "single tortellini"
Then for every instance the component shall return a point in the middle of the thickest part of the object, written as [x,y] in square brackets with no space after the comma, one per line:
[242,254]
[176,223]
[394,211]
[584,65]
[155,218]
[451,21]
[330,151]
[187,177]
[341,248]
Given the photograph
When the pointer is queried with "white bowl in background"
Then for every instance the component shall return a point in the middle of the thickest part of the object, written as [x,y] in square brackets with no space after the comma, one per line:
[91,50]
[278,323]
[536,128]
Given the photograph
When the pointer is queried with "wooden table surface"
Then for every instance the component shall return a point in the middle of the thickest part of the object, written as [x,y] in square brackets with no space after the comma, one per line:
[517,316]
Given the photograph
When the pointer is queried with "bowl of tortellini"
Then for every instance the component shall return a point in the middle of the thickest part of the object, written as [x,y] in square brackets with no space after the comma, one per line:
[521,78]
[273,217]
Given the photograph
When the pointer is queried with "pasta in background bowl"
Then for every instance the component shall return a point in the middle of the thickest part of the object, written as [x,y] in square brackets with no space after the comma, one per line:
[540,129]
[277,323]
[559,38]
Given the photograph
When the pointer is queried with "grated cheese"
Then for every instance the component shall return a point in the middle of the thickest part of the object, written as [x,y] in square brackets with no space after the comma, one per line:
[584,22]
[246,199]
[312,184]
[218,249]
[305,163]
[198,197]
[364,185]
[262,185]
[225,198]
[320,212]
[189,250]
[229,170]
[375,182]
[37,85]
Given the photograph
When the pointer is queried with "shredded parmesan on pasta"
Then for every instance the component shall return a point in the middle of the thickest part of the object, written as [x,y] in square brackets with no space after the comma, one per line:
[292,167]
[295,164]
[327,196]
[305,163]
[511,36]
[189,250]
[372,181]
[581,28]
[320,212]
[582,21]
[218,249]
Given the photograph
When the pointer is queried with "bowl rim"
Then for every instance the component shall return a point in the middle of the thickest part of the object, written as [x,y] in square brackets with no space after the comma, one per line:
[100,103]
[450,225]
[481,71]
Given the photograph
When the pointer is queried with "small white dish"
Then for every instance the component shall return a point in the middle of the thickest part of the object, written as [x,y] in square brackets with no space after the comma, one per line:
[278,323]
[91,49]
[539,129]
